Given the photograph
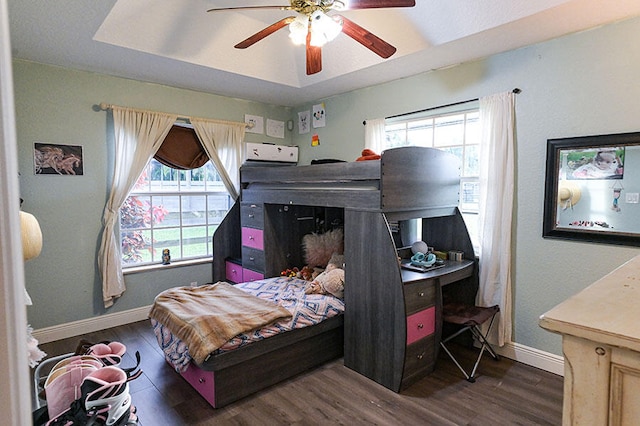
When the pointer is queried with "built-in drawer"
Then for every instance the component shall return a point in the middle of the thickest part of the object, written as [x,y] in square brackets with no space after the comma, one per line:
[233,272]
[419,295]
[252,237]
[252,215]
[252,259]
[202,381]
[421,324]
[420,360]
[249,275]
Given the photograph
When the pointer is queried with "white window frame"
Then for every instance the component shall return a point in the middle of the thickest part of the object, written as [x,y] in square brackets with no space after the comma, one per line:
[469,210]
[181,191]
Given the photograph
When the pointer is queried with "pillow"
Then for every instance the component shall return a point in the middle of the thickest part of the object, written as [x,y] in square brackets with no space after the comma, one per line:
[318,248]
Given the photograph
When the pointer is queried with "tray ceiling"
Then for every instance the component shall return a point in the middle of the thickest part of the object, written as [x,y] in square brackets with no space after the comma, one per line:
[178,44]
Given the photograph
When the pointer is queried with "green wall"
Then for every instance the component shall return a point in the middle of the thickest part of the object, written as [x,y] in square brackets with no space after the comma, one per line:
[56,105]
[582,84]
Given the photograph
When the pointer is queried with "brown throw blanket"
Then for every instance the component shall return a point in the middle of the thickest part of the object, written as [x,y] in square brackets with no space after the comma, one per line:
[206,317]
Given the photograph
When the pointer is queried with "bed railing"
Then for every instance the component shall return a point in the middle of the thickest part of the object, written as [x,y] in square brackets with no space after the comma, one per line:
[405,179]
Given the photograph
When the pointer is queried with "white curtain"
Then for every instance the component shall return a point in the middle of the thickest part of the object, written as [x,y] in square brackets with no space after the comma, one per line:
[222,142]
[497,164]
[138,135]
[374,135]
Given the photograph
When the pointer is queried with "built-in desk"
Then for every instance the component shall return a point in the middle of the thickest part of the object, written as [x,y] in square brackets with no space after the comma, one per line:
[423,310]
[451,272]
[601,346]
[393,316]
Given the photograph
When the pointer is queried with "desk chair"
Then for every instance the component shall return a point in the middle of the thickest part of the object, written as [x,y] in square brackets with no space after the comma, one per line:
[470,318]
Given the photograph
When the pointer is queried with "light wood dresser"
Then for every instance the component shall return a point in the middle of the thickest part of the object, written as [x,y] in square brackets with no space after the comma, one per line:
[600,329]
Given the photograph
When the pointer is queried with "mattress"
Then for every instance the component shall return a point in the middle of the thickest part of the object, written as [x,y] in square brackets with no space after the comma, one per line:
[306,309]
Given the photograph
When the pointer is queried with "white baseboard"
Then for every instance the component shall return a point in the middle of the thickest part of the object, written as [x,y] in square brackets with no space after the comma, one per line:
[524,354]
[89,325]
[533,357]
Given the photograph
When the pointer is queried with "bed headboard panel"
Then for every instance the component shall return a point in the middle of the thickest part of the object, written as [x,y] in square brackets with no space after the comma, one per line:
[415,178]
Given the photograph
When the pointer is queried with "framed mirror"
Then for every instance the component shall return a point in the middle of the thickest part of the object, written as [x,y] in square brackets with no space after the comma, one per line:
[592,187]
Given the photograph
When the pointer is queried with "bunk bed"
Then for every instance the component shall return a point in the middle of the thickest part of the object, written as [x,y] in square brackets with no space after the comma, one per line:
[371,201]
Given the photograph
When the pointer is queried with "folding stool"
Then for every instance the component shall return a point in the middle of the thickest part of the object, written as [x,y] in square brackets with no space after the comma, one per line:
[470,318]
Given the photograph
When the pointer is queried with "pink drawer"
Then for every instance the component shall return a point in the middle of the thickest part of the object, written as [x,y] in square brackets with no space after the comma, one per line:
[421,324]
[234,272]
[249,275]
[202,381]
[252,237]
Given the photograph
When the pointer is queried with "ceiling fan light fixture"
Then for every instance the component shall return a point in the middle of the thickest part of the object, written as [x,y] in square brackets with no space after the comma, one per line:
[340,5]
[323,28]
[298,30]
[313,27]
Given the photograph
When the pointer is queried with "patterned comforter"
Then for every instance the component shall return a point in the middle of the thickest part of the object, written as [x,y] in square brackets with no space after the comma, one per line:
[306,309]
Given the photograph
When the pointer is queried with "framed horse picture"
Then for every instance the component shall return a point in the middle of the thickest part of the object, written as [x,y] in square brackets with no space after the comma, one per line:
[55,159]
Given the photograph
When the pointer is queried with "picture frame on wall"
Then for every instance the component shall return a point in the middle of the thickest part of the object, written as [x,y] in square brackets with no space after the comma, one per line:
[57,159]
[591,189]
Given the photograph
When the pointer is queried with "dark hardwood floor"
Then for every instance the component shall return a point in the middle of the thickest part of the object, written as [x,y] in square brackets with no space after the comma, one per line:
[505,393]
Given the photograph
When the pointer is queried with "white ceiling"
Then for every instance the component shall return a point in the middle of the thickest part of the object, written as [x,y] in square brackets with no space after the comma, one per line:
[177,43]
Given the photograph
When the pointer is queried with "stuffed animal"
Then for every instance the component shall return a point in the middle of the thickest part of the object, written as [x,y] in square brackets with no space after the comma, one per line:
[336,260]
[330,281]
[290,272]
[306,273]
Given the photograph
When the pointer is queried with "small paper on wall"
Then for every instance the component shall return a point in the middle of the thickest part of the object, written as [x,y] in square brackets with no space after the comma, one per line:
[318,115]
[315,140]
[275,128]
[303,122]
[255,123]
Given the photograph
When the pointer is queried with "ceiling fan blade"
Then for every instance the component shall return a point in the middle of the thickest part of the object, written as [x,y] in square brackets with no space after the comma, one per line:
[314,57]
[264,33]
[220,9]
[374,4]
[367,39]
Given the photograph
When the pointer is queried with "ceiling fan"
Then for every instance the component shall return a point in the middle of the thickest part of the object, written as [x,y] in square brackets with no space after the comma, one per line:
[313,26]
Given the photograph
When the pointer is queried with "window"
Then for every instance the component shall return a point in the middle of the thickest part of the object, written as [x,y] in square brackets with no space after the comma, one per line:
[174,209]
[457,132]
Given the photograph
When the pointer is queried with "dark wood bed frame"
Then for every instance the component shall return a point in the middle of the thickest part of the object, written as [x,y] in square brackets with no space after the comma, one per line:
[408,182]
[228,377]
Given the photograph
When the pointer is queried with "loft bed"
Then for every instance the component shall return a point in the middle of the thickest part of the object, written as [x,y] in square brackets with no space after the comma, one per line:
[404,179]
[366,197]
[406,183]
